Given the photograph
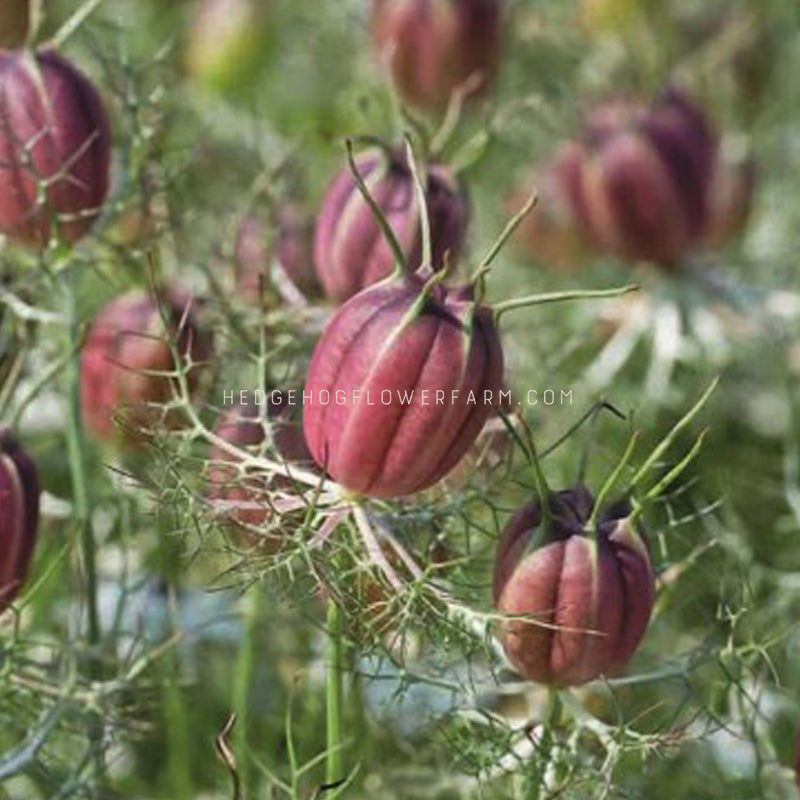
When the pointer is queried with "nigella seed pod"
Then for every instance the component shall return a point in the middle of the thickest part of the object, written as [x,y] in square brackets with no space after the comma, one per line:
[643,184]
[127,365]
[577,602]
[248,426]
[54,148]
[551,234]
[434,46]
[349,251]
[19,516]
[400,384]
[292,247]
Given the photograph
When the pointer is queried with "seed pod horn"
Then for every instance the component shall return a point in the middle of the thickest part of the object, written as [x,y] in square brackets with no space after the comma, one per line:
[19,516]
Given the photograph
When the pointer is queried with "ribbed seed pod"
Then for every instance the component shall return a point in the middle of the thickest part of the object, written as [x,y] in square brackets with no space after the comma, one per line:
[54,148]
[350,252]
[127,346]
[244,426]
[643,186]
[434,46]
[551,234]
[730,198]
[19,516]
[399,386]
[578,601]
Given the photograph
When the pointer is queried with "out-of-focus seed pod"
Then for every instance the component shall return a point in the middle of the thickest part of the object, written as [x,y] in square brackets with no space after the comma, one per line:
[228,40]
[349,251]
[400,385]
[434,46]
[550,233]
[643,183]
[730,197]
[797,761]
[19,516]
[127,365]
[249,425]
[15,19]
[293,252]
[54,148]
[578,602]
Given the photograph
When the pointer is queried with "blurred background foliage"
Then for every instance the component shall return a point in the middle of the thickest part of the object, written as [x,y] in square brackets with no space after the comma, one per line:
[211,122]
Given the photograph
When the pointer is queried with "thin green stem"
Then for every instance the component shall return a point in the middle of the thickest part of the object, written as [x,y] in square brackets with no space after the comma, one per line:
[507,233]
[75,21]
[335,695]
[383,224]
[422,200]
[82,505]
[558,297]
[243,675]
[670,438]
[611,481]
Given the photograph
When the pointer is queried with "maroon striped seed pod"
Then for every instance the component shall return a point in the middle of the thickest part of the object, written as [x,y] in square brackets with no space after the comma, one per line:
[349,251]
[127,365]
[400,384]
[14,22]
[248,425]
[435,46]
[293,252]
[54,148]
[643,185]
[19,516]
[577,602]
[551,234]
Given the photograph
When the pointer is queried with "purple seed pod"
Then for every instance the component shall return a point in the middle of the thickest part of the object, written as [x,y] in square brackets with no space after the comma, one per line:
[400,384]
[349,251]
[19,516]
[435,46]
[293,249]
[126,346]
[244,426]
[586,596]
[54,148]
[551,234]
[15,17]
[643,186]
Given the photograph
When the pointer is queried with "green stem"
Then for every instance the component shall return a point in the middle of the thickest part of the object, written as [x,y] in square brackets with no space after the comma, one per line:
[558,297]
[76,453]
[243,676]
[75,21]
[611,481]
[335,691]
[422,199]
[380,219]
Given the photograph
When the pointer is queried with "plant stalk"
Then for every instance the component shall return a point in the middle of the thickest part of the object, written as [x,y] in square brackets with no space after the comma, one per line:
[335,694]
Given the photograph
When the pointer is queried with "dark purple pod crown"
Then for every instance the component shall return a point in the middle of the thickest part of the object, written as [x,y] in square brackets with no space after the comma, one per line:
[350,252]
[128,345]
[578,602]
[642,190]
[19,516]
[399,386]
[54,148]
[435,46]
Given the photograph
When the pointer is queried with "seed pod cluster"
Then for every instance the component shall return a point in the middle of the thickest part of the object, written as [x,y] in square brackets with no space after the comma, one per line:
[435,46]
[400,385]
[577,601]
[127,363]
[19,516]
[54,148]
[349,251]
